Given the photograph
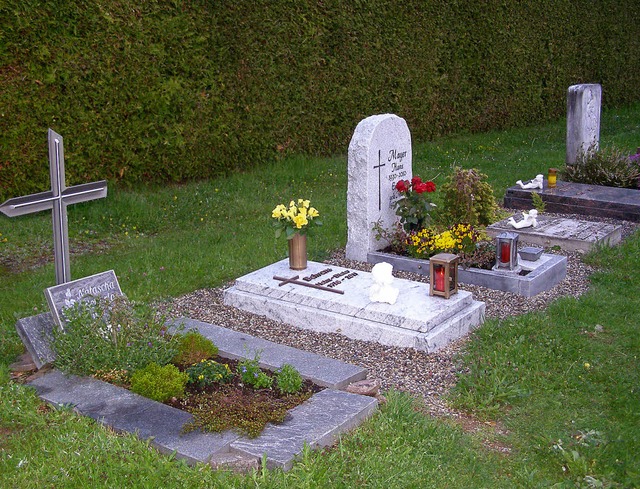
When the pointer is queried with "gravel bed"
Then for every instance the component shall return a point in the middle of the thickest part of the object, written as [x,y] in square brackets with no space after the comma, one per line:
[428,376]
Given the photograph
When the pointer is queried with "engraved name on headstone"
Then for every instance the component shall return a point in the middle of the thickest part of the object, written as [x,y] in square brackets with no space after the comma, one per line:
[583,120]
[57,200]
[101,285]
[379,156]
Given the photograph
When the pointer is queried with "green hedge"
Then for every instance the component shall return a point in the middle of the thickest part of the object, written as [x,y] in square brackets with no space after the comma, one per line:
[167,91]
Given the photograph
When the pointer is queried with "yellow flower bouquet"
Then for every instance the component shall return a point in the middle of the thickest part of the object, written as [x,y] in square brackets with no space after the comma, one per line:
[298,217]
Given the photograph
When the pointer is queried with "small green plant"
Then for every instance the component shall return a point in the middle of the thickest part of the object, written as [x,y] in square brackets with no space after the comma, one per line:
[414,208]
[209,372]
[159,383]
[194,348]
[482,256]
[396,237]
[288,379]
[252,375]
[609,167]
[538,203]
[116,335]
[468,198]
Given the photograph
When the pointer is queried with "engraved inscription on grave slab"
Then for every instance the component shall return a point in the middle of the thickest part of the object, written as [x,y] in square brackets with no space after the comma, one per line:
[102,285]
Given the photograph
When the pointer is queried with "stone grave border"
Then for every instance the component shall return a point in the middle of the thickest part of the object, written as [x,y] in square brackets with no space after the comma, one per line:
[542,277]
[315,423]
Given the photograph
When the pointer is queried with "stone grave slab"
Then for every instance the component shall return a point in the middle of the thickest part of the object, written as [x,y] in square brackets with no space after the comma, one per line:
[580,198]
[317,422]
[103,285]
[416,320]
[568,234]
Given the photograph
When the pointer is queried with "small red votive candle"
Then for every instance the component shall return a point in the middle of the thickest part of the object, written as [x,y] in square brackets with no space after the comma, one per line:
[505,252]
[440,278]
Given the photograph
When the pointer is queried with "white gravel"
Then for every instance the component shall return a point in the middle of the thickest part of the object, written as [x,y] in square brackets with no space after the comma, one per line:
[426,375]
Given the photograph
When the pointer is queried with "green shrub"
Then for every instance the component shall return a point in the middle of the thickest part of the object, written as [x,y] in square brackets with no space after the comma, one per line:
[194,348]
[159,383]
[610,167]
[209,372]
[468,198]
[111,336]
[538,203]
[288,379]
[252,375]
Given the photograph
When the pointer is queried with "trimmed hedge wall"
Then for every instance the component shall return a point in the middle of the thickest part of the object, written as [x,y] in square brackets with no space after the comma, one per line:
[167,91]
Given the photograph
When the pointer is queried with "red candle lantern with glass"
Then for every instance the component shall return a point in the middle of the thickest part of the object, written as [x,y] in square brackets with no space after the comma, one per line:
[443,274]
[506,251]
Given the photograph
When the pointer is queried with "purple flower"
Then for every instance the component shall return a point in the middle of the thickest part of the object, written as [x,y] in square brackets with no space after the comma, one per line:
[150,344]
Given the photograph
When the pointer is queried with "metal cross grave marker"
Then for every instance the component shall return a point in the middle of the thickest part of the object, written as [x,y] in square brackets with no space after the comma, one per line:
[56,199]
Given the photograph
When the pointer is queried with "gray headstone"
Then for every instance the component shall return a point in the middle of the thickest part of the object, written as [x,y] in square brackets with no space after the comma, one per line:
[583,120]
[35,333]
[379,156]
[102,285]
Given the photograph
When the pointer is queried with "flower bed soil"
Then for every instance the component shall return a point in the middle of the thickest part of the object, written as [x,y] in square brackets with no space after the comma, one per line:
[237,406]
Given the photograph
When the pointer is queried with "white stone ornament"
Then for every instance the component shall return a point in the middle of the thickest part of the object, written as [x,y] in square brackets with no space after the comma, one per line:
[381,290]
[529,220]
[535,183]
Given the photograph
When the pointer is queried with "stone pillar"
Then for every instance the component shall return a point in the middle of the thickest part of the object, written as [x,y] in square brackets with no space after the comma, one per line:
[583,120]
[379,156]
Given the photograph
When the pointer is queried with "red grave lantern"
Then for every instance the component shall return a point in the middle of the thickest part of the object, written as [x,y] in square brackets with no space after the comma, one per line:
[443,274]
[506,251]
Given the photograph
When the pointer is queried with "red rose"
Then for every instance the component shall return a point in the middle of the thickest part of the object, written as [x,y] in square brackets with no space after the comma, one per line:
[420,187]
[431,187]
[402,186]
[416,181]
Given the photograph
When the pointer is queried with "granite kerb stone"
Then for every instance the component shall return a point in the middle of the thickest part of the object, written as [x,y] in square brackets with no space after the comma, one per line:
[323,371]
[315,423]
[549,271]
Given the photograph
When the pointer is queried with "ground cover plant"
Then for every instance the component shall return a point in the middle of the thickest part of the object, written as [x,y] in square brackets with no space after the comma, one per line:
[563,383]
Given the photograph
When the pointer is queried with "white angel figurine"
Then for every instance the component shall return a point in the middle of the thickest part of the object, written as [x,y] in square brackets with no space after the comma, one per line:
[381,290]
[535,183]
[529,219]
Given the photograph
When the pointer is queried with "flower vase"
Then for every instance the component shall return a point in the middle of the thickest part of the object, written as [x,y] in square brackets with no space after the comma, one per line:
[298,252]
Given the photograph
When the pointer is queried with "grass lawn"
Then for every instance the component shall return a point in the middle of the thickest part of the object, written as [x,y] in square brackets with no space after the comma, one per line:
[563,386]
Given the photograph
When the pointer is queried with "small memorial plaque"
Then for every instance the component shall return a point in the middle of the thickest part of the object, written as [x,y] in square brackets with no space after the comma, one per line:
[60,297]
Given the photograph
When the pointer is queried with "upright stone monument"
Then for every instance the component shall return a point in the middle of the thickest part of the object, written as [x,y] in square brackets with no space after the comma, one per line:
[379,156]
[583,120]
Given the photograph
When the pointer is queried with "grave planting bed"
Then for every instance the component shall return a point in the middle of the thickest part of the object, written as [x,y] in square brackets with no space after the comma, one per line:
[316,422]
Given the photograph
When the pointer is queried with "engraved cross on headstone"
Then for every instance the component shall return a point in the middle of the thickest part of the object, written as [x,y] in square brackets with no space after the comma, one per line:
[56,199]
[379,167]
